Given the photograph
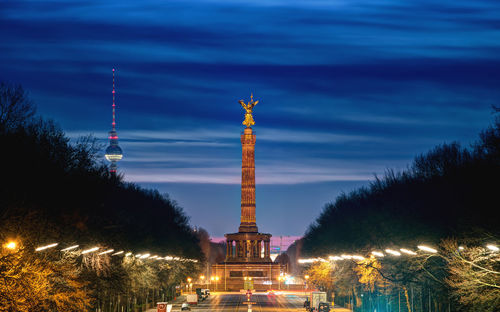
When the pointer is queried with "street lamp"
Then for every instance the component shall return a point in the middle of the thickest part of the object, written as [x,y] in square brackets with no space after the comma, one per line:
[10,245]
[216,279]
[280,278]
[189,283]
[306,278]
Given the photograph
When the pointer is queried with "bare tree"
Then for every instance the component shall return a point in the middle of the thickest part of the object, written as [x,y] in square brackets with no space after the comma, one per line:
[474,274]
[15,106]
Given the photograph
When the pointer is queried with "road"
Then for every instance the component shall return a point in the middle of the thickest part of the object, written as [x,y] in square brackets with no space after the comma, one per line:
[234,302]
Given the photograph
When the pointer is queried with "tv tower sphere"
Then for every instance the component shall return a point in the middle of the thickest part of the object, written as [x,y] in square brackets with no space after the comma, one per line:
[113,153]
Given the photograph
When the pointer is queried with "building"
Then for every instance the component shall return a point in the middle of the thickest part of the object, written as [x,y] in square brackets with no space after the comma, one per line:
[248,261]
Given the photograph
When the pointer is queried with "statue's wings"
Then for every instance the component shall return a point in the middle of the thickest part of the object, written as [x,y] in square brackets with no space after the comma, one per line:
[243,103]
[255,103]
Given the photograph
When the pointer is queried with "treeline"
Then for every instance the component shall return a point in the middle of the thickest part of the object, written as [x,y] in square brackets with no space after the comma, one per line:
[447,197]
[53,190]
[449,191]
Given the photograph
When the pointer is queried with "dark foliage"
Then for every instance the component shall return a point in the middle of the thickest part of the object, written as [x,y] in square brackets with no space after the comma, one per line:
[53,190]
[450,191]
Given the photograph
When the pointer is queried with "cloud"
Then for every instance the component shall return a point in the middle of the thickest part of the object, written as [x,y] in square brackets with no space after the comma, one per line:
[346,88]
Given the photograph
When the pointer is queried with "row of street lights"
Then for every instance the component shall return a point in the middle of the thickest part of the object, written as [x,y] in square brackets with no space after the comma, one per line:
[388,251]
[13,245]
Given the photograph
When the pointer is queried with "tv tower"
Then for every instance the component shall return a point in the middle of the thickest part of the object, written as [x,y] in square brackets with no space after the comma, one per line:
[113,152]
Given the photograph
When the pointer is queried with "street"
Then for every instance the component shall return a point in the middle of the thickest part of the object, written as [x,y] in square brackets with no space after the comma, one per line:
[234,302]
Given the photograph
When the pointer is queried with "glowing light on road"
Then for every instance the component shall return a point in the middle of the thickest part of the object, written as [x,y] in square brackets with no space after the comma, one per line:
[492,247]
[377,254]
[408,252]
[346,256]
[106,252]
[393,252]
[46,247]
[428,249]
[70,248]
[144,256]
[117,253]
[90,250]
[358,257]
[335,258]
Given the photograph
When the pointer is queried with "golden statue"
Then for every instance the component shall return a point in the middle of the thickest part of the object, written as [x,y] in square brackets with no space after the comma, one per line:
[248,108]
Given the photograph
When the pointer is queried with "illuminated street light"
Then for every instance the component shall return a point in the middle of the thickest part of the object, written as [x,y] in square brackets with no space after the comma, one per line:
[46,247]
[70,248]
[357,257]
[10,245]
[393,252]
[144,256]
[377,254]
[461,248]
[117,253]
[408,252]
[90,250]
[105,252]
[426,248]
[128,254]
[492,247]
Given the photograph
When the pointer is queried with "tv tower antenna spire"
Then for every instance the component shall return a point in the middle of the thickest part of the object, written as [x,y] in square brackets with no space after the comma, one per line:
[113,152]
[114,121]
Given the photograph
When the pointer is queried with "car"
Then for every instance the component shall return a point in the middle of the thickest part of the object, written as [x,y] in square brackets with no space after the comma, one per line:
[185,306]
[324,307]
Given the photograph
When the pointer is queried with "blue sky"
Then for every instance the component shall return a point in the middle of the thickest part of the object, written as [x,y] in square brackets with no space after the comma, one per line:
[346,89]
